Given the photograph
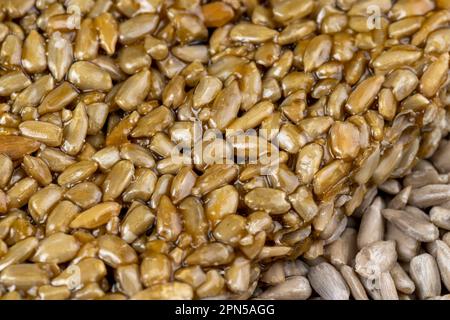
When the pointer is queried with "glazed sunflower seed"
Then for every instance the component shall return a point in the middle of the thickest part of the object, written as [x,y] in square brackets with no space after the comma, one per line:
[155,268]
[88,76]
[135,28]
[77,172]
[214,177]
[371,228]
[440,217]
[86,44]
[140,157]
[253,117]
[136,222]
[442,259]
[387,287]
[56,160]
[345,108]
[285,11]
[173,291]
[48,292]
[156,48]
[212,254]
[270,200]
[96,216]
[168,224]
[21,192]
[42,201]
[18,253]
[156,120]
[86,271]
[217,14]
[24,276]
[237,277]
[45,132]
[75,132]
[246,32]
[434,76]
[60,55]
[425,274]
[60,217]
[57,98]
[15,147]
[133,91]
[128,279]
[440,156]
[143,186]
[117,180]
[84,194]
[231,229]
[402,281]
[364,94]
[400,200]
[115,252]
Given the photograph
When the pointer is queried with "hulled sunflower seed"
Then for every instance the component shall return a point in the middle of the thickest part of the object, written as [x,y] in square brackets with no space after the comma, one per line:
[376,258]
[294,288]
[415,227]
[328,282]
[425,273]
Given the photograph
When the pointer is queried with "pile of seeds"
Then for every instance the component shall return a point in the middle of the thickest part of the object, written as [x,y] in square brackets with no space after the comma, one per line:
[156,149]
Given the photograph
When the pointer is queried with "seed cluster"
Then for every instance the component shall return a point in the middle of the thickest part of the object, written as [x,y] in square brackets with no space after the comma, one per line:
[103,193]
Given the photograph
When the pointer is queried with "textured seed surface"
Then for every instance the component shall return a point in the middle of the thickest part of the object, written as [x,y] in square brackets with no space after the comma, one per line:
[376,258]
[416,227]
[424,271]
[351,278]
[328,282]
[430,195]
[270,200]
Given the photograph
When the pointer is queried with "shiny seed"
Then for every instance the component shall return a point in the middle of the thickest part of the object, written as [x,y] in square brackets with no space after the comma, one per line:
[133,91]
[364,94]
[266,199]
[115,252]
[60,55]
[212,254]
